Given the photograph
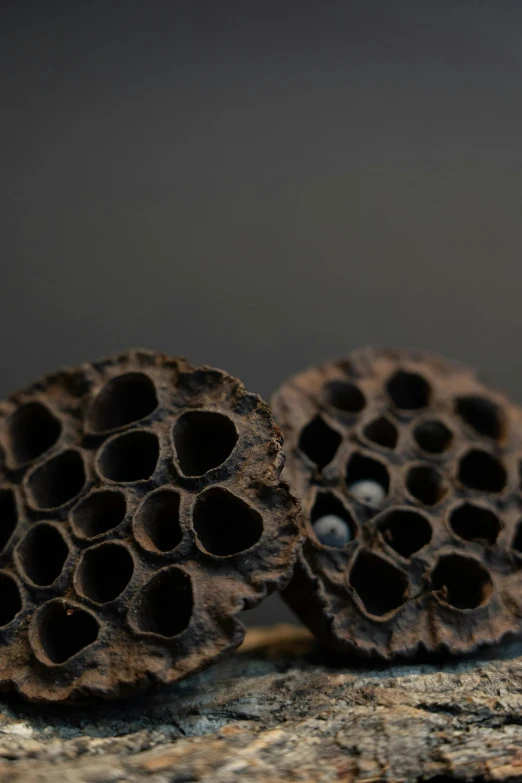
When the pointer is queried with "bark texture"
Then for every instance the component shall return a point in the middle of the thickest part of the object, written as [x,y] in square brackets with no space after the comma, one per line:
[283,710]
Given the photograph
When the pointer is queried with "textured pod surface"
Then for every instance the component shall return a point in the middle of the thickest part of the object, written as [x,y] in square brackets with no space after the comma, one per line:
[420,464]
[141,508]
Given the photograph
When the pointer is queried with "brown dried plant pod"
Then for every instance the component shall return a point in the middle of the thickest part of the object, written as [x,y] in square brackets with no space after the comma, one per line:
[141,508]
[409,472]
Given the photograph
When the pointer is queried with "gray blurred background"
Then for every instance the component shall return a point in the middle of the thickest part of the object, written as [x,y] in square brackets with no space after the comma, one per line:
[260,185]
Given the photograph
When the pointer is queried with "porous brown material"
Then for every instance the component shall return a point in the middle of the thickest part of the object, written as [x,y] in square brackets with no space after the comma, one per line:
[434,560]
[141,508]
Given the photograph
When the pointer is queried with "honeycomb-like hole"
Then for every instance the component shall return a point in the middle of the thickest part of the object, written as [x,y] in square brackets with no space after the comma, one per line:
[104,572]
[382,432]
[63,630]
[8,516]
[226,525]
[203,441]
[475,523]
[10,599]
[328,505]
[345,397]
[42,554]
[363,470]
[31,430]
[157,522]
[58,480]
[462,581]
[433,436]
[482,415]
[319,442]
[480,470]
[132,456]
[405,531]
[122,400]
[408,390]
[381,586]
[99,512]
[425,484]
[517,541]
[165,605]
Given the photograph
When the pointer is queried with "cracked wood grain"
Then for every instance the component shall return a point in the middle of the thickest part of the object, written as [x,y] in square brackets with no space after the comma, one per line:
[283,710]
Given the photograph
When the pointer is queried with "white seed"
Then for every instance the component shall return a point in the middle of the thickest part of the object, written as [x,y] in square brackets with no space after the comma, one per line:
[331,530]
[368,491]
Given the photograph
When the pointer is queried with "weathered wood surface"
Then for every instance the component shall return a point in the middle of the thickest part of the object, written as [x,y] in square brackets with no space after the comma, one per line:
[279,711]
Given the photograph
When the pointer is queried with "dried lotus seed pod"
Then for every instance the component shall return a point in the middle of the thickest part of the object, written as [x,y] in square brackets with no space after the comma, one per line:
[409,471]
[141,508]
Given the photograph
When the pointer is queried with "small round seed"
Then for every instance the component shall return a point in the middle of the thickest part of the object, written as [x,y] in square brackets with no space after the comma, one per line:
[331,530]
[367,491]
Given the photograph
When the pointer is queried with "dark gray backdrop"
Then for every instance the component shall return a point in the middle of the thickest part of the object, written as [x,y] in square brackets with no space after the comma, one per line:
[260,185]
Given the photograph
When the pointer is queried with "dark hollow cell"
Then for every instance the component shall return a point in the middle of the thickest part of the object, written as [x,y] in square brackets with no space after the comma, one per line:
[383,432]
[10,600]
[42,554]
[203,441]
[31,431]
[482,471]
[482,415]
[405,531]
[433,436]
[123,400]
[104,572]
[64,630]
[379,584]
[475,523]
[165,604]
[225,524]
[8,516]
[462,581]
[157,521]
[408,390]
[319,442]
[58,480]
[99,512]
[130,457]
[346,397]
[425,484]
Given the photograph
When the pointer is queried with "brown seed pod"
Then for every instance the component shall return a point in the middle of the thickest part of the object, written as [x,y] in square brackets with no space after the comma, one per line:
[409,473]
[141,508]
